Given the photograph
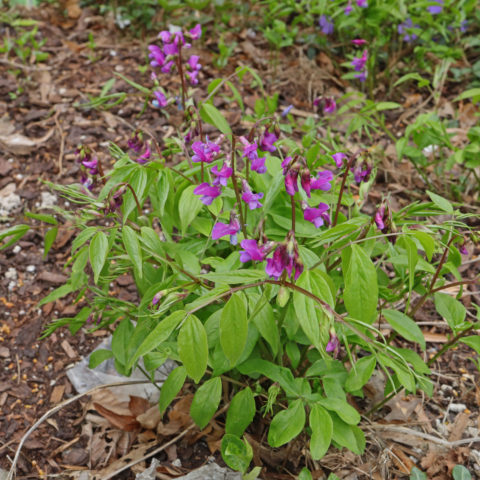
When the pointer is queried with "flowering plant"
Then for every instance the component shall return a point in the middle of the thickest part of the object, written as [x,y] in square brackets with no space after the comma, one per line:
[257,269]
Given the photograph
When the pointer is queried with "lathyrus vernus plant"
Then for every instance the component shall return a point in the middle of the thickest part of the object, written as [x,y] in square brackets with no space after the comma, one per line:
[257,272]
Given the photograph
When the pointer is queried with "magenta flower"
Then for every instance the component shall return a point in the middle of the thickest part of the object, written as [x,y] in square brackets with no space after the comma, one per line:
[267,141]
[322,182]
[145,157]
[208,192]
[317,216]
[463,249]
[250,151]
[360,62]
[330,105]
[165,36]
[361,171]
[167,67]
[381,218]
[204,152]
[285,258]
[317,101]
[326,24]
[196,32]
[348,8]
[362,76]
[160,100]
[135,142]
[258,165]
[291,183]
[358,42]
[252,199]
[333,345]
[193,62]
[192,77]
[222,175]
[170,48]
[91,164]
[222,229]
[251,251]
[339,157]
[362,3]
[286,164]
[306,181]
[156,56]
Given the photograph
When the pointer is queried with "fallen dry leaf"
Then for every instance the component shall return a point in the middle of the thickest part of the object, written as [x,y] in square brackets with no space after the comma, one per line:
[138,405]
[127,423]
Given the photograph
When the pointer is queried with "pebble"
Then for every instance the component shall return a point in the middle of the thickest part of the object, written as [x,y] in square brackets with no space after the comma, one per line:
[9,200]
[31,268]
[48,200]
[457,407]
[11,274]
[16,249]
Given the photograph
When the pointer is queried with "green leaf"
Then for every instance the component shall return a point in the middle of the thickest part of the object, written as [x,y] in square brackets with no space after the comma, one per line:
[206,401]
[405,326]
[121,338]
[98,253]
[188,207]
[306,311]
[427,242]
[15,233]
[349,436]
[342,408]
[252,474]
[322,430]
[461,473]
[50,237]
[305,474]
[42,218]
[417,474]
[235,276]
[234,328]
[386,106]
[83,237]
[193,347]
[472,342]
[56,294]
[360,373]
[99,356]
[213,116]
[264,319]
[132,246]
[235,453]
[287,424]
[170,388]
[441,202]
[450,309]
[471,93]
[361,287]
[139,87]
[241,412]
[159,334]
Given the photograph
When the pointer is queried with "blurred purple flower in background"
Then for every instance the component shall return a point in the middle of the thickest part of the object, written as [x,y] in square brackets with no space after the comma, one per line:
[326,24]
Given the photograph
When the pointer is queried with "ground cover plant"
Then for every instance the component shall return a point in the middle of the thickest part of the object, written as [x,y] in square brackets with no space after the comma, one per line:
[260,264]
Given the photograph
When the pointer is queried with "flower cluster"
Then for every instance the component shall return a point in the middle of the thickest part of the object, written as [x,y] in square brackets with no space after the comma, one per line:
[142,148]
[360,65]
[383,220]
[293,168]
[328,104]
[407,29]
[360,167]
[164,57]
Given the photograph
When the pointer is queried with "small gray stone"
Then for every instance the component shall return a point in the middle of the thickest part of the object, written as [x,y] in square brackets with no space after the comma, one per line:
[213,472]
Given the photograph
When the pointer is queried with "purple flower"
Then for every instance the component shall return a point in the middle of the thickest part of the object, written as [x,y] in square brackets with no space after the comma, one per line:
[380,218]
[463,26]
[160,100]
[193,62]
[267,141]
[359,63]
[463,249]
[285,164]
[291,184]
[405,30]
[251,198]
[222,229]
[348,8]
[221,175]
[286,111]
[322,182]
[285,258]
[358,42]
[165,35]
[339,157]
[362,3]
[330,105]
[362,76]
[145,157]
[333,344]
[91,164]
[167,67]
[196,32]
[157,297]
[135,142]
[361,172]
[170,49]
[317,216]
[87,182]
[156,56]
[209,193]
[326,24]
[436,8]
[258,164]
[251,251]
[204,152]
[306,181]
[317,101]
[192,76]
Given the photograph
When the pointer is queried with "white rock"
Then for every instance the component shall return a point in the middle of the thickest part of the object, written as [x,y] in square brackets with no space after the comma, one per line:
[177,463]
[456,407]
[10,287]
[11,274]
[31,268]
[48,200]
[9,200]
[16,249]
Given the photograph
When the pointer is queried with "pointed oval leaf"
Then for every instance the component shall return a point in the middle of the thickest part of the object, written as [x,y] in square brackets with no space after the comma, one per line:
[322,430]
[237,454]
[188,207]
[234,327]
[405,326]
[360,373]
[206,401]
[193,347]
[132,246]
[171,387]
[213,116]
[287,424]
[240,413]
[98,254]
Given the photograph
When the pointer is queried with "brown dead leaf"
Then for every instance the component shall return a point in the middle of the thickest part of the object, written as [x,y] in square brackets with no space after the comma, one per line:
[127,423]
[435,337]
[401,407]
[401,460]
[72,8]
[467,115]
[461,422]
[138,405]
[150,419]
